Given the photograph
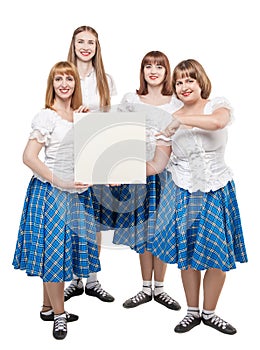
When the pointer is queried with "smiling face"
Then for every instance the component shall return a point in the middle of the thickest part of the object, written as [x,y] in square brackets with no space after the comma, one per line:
[187,89]
[189,78]
[154,74]
[155,71]
[85,46]
[63,86]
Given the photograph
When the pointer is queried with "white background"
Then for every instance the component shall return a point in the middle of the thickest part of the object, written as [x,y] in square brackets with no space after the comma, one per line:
[224,36]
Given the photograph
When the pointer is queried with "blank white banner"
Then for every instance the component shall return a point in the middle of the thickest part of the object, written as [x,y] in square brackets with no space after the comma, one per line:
[110,147]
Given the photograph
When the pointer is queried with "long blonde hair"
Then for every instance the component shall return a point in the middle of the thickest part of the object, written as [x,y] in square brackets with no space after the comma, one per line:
[63,67]
[102,83]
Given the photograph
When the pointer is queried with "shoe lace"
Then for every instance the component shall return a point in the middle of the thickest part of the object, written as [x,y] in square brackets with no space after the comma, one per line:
[166,297]
[138,297]
[187,320]
[60,324]
[70,289]
[219,322]
[100,290]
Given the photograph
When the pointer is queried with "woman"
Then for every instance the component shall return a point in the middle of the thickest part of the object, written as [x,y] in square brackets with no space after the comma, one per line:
[97,88]
[57,230]
[202,230]
[138,203]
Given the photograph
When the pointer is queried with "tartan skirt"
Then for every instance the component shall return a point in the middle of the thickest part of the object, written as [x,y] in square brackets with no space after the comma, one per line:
[57,235]
[104,200]
[136,213]
[200,230]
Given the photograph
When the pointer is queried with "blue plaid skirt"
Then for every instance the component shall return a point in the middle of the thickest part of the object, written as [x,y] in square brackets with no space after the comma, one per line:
[200,230]
[104,200]
[136,212]
[57,235]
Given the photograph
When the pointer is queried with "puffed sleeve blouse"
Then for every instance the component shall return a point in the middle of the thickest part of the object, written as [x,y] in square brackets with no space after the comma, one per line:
[197,162]
[57,135]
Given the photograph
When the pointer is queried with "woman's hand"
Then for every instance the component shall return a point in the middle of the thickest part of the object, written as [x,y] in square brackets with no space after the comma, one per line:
[80,185]
[171,128]
[82,109]
[69,185]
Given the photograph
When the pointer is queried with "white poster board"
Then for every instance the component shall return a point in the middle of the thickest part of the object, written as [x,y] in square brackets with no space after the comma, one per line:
[110,148]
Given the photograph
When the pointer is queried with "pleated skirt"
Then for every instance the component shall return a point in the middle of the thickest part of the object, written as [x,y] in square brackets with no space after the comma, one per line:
[105,204]
[137,211]
[200,230]
[57,234]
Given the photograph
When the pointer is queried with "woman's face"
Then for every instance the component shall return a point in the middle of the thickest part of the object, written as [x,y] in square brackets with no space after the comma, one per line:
[187,89]
[85,46]
[154,74]
[63,85]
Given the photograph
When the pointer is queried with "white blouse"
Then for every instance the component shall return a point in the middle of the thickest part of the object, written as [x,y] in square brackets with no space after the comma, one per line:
[197,161]
[90,95]
[170,107]
[58,136]
[157,118]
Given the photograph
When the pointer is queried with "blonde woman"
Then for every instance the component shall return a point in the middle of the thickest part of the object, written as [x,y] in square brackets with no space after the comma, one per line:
[97,88]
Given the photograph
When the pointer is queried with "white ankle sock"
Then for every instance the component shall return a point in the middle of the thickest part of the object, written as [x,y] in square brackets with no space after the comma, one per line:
[207,314]
[49,312]
[158,288]
[194,311]
[77,282]
[92,280]
[147,287]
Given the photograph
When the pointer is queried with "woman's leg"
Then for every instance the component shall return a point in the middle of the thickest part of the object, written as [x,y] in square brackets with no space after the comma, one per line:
[146,264]
[159,269]
[54,293]
[191,280]
[46,313]
[213,282]
[93,287]
[191,283]
[159,294]
[46,300]
[99,242]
